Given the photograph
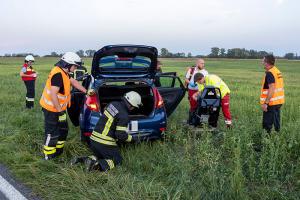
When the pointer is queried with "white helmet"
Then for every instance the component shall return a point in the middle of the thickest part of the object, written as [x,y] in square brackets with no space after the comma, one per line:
[133,98]
[72,58]
[29,58]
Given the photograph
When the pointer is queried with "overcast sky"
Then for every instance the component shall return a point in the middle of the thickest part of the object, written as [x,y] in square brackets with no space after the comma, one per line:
[43,26]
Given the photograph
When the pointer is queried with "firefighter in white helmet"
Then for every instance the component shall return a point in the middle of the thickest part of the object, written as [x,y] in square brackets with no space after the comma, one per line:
[28,75]
[55,100]
[111,127]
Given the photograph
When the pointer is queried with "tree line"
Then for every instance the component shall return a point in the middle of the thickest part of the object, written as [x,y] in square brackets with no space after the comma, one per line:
[216,52]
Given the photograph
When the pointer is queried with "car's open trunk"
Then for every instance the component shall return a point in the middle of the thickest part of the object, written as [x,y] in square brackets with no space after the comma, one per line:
[112,91]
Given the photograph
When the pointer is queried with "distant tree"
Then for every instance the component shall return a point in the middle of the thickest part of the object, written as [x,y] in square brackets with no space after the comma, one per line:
[214,52]
[189,55]
[222,53]
[289,56]
[164,52]
[54,54]
[90,53]
[7,55]
[80,52]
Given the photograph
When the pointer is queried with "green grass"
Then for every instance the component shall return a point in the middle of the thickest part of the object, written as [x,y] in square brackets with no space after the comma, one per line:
[184,166]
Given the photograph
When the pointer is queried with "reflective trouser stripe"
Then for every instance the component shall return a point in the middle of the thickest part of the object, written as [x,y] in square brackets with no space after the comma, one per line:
[121,128]
[129,138]
[49,150]
[60,144]
[62,117]
[29,99]
[110,163]
[108,123]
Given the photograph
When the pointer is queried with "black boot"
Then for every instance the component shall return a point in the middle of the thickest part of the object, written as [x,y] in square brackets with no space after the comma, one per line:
[77,160]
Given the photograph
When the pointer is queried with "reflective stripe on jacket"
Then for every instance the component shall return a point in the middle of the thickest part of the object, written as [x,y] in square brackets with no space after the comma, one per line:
[278,96]
[112,125]
[29,71]
[63,99]
[217,82]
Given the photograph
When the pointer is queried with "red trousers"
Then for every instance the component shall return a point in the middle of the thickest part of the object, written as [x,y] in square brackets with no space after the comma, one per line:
[226,109]
[193,102]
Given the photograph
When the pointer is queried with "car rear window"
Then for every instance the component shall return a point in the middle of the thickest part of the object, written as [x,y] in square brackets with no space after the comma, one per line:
[116,62]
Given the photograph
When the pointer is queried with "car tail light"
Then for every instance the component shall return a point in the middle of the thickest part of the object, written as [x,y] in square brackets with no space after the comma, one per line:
[88,134]
[92,103]
[159,102]
[163,129]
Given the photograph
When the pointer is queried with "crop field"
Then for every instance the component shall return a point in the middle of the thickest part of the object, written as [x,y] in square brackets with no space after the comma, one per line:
[186,165]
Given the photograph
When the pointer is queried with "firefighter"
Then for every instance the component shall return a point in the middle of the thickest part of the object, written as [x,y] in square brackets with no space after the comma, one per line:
[55,100]
[272,94]
[110,129]
[28,75]
[192,86]
[217,82]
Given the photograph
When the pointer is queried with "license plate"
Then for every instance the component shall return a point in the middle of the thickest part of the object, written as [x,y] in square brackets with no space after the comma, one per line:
[134,126]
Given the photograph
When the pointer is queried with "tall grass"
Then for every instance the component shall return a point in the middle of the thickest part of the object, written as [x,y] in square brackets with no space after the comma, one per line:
[186,165]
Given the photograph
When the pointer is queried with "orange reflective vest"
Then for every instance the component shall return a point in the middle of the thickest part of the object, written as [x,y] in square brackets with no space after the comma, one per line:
[63,99]
[278,96]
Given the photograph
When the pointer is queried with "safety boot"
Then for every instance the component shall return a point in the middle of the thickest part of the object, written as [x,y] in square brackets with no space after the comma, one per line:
[90,163]
[77,160]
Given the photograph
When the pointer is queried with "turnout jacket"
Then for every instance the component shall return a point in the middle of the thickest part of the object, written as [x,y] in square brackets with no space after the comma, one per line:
[112,125]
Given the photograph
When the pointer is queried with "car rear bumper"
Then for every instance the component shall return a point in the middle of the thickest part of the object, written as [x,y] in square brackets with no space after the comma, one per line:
[147,128]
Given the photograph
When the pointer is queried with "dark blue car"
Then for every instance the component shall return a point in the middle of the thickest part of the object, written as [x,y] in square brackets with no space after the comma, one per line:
[117,69]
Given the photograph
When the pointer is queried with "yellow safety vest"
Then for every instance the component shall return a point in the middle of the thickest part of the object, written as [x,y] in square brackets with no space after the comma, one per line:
[217,82]
[278,96]
[63,99]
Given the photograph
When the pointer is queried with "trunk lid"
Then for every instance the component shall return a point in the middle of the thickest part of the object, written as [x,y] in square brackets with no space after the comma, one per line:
[125,61]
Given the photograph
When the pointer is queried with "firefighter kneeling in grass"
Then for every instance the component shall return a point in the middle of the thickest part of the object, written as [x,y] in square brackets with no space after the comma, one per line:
[110,129]
[55,100]
[217,82]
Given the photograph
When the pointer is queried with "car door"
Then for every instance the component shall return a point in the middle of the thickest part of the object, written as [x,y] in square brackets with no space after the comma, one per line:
[77,98]
[171,89]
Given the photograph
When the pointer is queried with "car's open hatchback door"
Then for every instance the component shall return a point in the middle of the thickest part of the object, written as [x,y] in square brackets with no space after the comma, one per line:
[171,89]
[125,61]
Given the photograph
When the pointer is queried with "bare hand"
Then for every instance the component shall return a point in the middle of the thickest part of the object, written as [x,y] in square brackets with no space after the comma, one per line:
[195,96]
[264,107]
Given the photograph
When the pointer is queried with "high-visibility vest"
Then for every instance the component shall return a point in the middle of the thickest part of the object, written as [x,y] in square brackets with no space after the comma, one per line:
[63,99]
[29,71]
[217,82]
[278,96]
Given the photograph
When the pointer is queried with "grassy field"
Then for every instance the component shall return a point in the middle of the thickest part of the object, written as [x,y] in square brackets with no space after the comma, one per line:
[184,166]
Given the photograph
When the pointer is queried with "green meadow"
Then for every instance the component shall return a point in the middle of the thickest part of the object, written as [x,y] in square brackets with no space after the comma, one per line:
[186,165]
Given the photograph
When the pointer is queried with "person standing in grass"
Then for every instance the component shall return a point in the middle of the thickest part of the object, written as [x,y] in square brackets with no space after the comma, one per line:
[272,94]
[217,82]
[28,75]
[55,100]
[192,86]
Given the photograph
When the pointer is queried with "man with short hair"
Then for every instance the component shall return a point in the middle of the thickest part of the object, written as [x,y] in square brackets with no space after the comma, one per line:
[192,86]
[217,82]
[55,101]
[272,94]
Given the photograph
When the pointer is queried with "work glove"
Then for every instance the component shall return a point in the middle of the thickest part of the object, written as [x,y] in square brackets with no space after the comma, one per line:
[62,116]
[90,92]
